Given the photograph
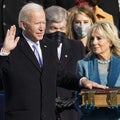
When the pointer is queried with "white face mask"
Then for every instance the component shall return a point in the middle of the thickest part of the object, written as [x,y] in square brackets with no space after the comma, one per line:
[81,31]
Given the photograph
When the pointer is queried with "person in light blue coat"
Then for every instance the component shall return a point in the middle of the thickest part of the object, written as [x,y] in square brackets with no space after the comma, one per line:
[101,65]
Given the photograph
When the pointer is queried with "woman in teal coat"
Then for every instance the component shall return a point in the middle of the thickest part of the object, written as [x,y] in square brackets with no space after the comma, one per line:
[101,65]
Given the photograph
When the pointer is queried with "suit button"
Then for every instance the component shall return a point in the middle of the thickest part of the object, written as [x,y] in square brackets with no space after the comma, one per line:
[4,6]
[66,56]
[43,116]
[4,24]
[42,96]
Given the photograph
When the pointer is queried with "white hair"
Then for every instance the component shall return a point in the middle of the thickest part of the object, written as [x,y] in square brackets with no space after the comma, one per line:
[56,14]
[26,9]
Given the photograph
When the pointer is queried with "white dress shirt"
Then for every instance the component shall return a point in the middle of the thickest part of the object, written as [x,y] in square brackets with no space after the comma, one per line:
[31,43]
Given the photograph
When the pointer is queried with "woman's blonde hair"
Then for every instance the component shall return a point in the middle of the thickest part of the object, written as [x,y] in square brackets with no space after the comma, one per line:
[71,16]
[107,30]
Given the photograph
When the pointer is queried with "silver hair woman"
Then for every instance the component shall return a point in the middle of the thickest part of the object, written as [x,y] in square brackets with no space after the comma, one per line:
[108,31]
[101,65]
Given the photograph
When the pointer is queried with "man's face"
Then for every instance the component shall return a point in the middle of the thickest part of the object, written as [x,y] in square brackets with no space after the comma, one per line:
[34,29]
[54,26]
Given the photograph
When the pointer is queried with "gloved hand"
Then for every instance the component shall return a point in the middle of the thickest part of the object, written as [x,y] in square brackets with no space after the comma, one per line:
[115,108]
[78,101]
[64,103]
[85,109]
[88,108]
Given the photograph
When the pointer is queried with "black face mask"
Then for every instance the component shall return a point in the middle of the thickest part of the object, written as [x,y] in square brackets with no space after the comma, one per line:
[56,36]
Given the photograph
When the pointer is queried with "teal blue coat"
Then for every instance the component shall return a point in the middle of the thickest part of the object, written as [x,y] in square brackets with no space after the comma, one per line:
[88,67]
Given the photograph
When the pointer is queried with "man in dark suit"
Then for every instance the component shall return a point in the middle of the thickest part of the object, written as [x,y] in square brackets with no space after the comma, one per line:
[30,88]
[69,51]
[9,14]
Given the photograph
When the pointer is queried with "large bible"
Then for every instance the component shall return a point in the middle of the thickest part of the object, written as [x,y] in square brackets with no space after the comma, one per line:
[100,97]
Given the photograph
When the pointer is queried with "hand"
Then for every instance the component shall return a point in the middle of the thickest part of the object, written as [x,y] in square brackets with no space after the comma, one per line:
[78,101]
[115,108]
[10,41]
[90,84]
[64,104]
[88,108]
[85,109]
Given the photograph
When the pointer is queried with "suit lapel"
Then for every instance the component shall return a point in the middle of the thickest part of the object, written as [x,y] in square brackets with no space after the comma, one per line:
[25,48]
[65,53]
[114,71]
[47,52]
[44,48]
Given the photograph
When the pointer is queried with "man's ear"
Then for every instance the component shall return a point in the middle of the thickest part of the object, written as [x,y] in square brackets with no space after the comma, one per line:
[23,25]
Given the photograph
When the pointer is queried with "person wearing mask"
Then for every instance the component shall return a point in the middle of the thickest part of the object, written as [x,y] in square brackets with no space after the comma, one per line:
[103,60]
[79,22]
[30,87]
[99,13]
[69,51]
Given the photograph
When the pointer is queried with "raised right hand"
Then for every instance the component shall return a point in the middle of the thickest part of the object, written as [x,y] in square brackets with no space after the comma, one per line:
[10,41]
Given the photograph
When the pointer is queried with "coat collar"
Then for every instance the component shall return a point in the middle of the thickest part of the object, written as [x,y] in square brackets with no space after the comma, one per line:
[112,75]
[27,51]
[65,51]
[114,70]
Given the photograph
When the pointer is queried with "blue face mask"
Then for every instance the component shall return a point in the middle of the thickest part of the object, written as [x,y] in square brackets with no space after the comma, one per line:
[81,31]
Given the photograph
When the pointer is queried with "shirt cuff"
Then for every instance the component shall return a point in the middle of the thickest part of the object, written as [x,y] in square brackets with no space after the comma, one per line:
[81,79]
[3,53]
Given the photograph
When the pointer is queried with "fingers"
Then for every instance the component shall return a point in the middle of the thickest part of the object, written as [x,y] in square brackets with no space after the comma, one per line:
[11,40]
[96,85]
[90,84]
[7,34]
[12,30]
[10,33]
[17,39]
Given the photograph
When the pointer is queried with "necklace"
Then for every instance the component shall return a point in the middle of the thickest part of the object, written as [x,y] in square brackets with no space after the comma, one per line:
[103,61]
